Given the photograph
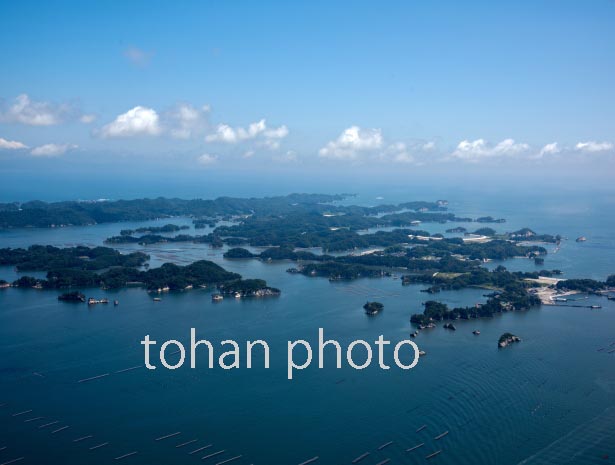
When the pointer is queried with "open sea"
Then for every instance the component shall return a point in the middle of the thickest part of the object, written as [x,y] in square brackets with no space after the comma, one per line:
[547,400]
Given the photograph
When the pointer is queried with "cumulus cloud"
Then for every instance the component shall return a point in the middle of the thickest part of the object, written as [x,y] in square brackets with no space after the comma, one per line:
[351,141]
[427,146]
[549,149]
[52,150]
[272,137]
[594,147]
[268,137]
[398,152]
[207,159]
[138,57]
[479,149]
[139,121]
[24,110]
[184,120]
[6,144]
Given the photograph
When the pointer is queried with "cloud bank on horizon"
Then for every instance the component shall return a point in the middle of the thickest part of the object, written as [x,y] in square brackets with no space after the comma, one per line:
[507,94]
[353,145]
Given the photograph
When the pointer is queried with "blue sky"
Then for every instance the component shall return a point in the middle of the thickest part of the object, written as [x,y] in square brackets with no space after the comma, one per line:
[408,85]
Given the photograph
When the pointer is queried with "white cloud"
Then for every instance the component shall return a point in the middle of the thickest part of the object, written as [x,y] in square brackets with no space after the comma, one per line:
[52,150]
[594,147]
[87,119]
[26,111]
[428,146]
[351,141]
[480,149]
[398,152]
[248,154]
[207,159]
[6,144]
[138,57]
[135,122]
[288,157]
[268,137]
[549,149]
[230,135]
[224,133]
[272,137]
[276,133]
[184,120]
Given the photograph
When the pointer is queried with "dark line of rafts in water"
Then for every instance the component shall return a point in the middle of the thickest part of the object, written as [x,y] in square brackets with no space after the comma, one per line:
[129,454]
[60,429]
[85,380]
[386,444]
[440,436]
[383,462]
[213,454]
[167,436]
[130,369]
[49,424]
[98,446]
[104,375]
[360,457]
[19,459]
[186,443]
[200,449]
[232,459]
[415,447]
[312,460]
[433,454]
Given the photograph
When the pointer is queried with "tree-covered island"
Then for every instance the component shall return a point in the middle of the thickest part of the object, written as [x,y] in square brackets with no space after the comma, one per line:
[84,267]
[321,236]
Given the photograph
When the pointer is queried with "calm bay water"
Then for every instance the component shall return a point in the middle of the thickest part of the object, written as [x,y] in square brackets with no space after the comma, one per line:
[499,406]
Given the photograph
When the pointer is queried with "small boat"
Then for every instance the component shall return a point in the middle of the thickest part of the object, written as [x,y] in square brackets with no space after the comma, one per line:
[217,297]
[610,297]
[476,332]
[422,352]
[116,302]
[238,295]
[595,306]
[581,239]
[157,299]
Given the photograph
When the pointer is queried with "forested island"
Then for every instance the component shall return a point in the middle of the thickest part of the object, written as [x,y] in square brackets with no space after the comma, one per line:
[84,267]
[38,214]
[320,235]
[373,308]
[167,228]
[506,339]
